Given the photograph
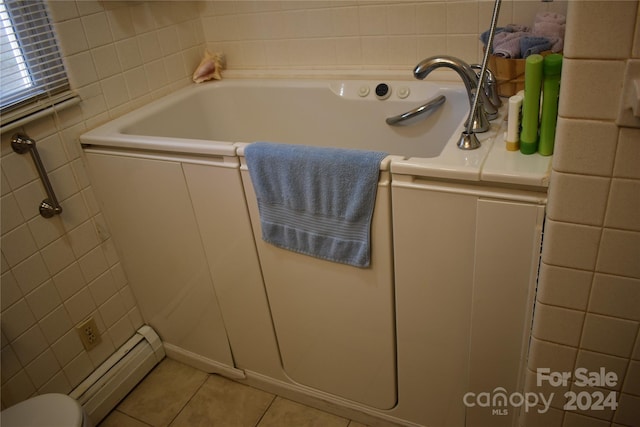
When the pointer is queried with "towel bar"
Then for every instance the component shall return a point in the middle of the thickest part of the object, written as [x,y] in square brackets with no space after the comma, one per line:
[21,144]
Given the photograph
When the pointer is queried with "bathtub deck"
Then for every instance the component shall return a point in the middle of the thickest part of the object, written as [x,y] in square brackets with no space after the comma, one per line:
[178,395]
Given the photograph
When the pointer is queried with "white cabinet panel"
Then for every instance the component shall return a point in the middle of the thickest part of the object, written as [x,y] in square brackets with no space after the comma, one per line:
[506,262]
[148,208]
[335,322]
[218,200]
[466,263]
[433,234]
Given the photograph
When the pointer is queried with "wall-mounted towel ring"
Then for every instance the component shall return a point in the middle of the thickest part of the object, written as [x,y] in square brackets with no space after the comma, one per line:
[21,144]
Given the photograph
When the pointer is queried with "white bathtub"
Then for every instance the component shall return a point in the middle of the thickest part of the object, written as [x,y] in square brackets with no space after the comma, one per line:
[225,301]
[207,118]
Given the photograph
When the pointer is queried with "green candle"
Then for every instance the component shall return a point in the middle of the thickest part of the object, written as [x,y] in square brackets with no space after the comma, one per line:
[550,90]
[531,104]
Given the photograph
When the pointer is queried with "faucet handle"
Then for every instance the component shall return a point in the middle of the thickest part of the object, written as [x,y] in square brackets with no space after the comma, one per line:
[490,85]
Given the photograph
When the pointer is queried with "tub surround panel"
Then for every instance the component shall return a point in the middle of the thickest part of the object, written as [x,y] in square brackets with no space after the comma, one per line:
[446,243]
[334,322]
[160,243]
[234,266]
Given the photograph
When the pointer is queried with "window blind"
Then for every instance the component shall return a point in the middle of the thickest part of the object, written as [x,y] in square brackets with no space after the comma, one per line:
[32,75]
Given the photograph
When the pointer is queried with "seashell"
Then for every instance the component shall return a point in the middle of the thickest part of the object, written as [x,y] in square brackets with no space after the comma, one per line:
[210,67]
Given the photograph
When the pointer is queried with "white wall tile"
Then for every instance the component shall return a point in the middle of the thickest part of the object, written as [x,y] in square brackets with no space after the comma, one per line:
[120,23]
[609,335]
[81,69]
[9,362]
[105,59]
[69,281]
[431,18]
[628,412]
[601,99]
[58,255]
[93,264]
[10,214]
[29,345]
[624,204]
[372,20]
[570,245]
[78,369]
[556,357]
[345,21]
[30,273]
[10,292]
[588,146]
[571,419]
[45,230]
[18,169]
[577,199]
[55,324]
[67,348]
[558,325]
[128,53]
[103,288]
[17,389]
[29,197]
[112,310]
[71,36]
[628,155]
[17,319]
[632,379]
[83,238]
[618,253]
[114,90]
[615,296]
[80,306]
[600,29]
[62,10]
[57,384]
[18,245]
[43,368]
[96,29]
[43,299]
[462,18]
[592,362]
[538,418]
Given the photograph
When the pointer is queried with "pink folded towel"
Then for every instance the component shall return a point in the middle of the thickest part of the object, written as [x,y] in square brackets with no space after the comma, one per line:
[507,45]
[551,26]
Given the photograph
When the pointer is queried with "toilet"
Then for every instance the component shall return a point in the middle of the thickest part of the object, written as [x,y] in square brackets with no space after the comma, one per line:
[46,410]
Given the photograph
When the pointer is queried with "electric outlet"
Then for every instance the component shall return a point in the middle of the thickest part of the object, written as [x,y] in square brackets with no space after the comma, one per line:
[89,334]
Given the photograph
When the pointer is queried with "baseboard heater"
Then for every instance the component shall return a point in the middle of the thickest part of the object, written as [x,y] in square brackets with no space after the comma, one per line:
[119,374]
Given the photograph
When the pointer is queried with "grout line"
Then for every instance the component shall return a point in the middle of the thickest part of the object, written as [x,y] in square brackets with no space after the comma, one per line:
[266,410]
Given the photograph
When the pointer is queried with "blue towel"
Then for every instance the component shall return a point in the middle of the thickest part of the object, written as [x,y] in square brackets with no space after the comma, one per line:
[316,201]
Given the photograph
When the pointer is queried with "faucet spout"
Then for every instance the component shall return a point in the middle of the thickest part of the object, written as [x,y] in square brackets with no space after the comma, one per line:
[486,112]
[464,70]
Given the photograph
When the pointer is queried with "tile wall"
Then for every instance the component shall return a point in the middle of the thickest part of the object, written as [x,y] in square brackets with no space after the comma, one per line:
[349,34]
[588,303]
[57,272]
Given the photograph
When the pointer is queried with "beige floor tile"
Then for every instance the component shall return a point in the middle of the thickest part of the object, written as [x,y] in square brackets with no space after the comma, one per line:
[285,413]
[163,393]
[356,424]
[225,403]
[118,419]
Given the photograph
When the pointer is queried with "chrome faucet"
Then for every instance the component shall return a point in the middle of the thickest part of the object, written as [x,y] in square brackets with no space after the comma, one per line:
[486,110]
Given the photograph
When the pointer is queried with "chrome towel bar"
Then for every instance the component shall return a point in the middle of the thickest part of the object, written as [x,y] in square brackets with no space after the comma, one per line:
[21,144]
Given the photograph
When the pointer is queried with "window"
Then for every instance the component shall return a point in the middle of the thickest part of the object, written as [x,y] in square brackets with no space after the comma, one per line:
[32,76]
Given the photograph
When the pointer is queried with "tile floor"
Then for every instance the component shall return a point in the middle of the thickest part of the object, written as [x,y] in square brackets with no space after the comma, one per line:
[174,394]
